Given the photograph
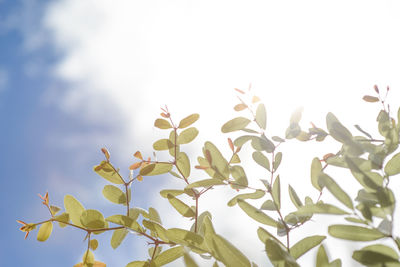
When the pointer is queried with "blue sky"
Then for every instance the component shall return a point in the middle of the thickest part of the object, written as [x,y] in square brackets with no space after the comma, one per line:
[79,75]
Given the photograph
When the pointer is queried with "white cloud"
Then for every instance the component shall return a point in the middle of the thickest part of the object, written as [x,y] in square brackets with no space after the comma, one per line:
[122,60]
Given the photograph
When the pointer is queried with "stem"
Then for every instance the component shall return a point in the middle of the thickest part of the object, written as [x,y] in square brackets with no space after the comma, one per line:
[196,215]
[154,251]
[127,198]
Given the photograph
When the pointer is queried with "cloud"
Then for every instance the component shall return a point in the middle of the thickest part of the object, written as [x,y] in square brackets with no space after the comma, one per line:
[120,62]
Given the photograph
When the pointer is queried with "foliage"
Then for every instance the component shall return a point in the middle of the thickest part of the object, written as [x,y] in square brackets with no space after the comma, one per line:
[368,216]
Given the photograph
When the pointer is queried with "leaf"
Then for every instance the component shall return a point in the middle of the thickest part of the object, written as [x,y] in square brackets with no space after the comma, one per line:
[240,177]
[268,205]
[335,189]
[316,168]
[240,107]
[154,215]
[262,143]
[292,131]
[261,160]
[255,195]
[74,209]
[183,164]
[181,207]
[355,233]
[392,167]
[304,245]
[218,162]
[124,221]
[294,198]
[264,235]
[261,116]
[296,115]
[138,264]
[162,124]
[187,136]
[163,144]
[376,254]
[277,160]
[276,192]
[205,183]
[189,261]
[184,237]
[114,194]
[235,124]
[93,244]
[63,217]
[320,208]
[189,120]
[155,169]
[278,255]
[322,258]
[174,192]
[227,253]
[235,159]
[92,219]
[117,237]
[364,132]
[88,258]
[45,231]
[371,99]
[256,214]
[108,172]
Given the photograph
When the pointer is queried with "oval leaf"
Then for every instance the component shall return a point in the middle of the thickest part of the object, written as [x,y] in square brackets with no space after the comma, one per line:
[187,136]
[181,207]
[189,120]
[74,209]
[108,172]
[392,167]
[261,160]
[114,194]
[355,233]
[162,124]
[304,245]
[255,195]
[205,183]
[183,164]
[117,237]
[235,124]
[92,219]
[256,214]
[155,169]
[45,231]
[261,116]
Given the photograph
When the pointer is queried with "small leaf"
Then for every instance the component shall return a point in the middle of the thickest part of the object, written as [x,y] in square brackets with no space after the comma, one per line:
[117,237]
[264,235]
[235,124]
[294,198]
[162,124]
[261,160]
[256,214]
[108,172]
[278,139]
[278,255]
[174,192]
[187,135]
[304,245]
[163,144]
[277,160]
[240,177]
[255,99]
[228,253]
[155,169]
[377,254]
[45,231]
[74,209]
[114,194]
[320,208]
[316,168]
[335,189]
[322,258]
[181,207]
[138,155]
[154,215]
[240,107]
[92,219]
[355,233]
[392,167]
[276,192]
[183,164]
[205,183]
[261,116]
[93,244]
[138,264]
[124,221]
[371,99]
[189,261]
[268,205]
[255,195]
[189,120]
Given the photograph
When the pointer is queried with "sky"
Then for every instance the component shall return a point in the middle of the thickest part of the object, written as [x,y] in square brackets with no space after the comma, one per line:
[76,76]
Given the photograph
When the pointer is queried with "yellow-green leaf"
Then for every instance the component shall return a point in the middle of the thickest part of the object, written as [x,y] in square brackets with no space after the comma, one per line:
[392,167]
[163,144]
[235,124]
[181,207]
[276,192]
[205,183]
[155,169]
[240,177]
[88,258]
[261,160]
[117,237]
[93,244]
[294,198]
[92,219]
[228,253]
[187,135]
[304,245]
[45,231]
[174,192]
[138,264]
[377,255]
[169,255]
[189,120]
[124,221]
[355,233]
[162,124]
[255,195]
[261,116]
[256,214]
[114,194]
[371,99]
[74,209]
[108,172]
[320,208]
[335,189]
[189,261]
[316,168]
[183,164]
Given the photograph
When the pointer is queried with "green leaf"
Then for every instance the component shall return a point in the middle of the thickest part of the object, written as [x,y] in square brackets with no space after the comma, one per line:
[154,215]
[255,195]
[268,205]
[392,167]
[174,192]
[276,192]
[92,219]
[189,120]
[162,124]
[262,144]
[184,237]
[320,208]
[292,131]
[124,221]
[264,235]
[369,180]
[294,198]
[371,99]
[117,237]
[304,245]
[108,172]
[355,233]
[187,136]
[205,183]
[335,189]
[278,255]
[316,168]
[296,115]
[376,254]
[235,124]
[218,162]
[63,217]
[45,231]
[227,253]
[240,177]
[181,207]
[163,144]
[93,244]
[183,164]
[138,264]
[88,258]
[114,194]
[155,169]
[189,261]
[337,130]
[74,209]
[261,160]
[277,161]
[256,214]
[261,116]
[322,258]
[157,228]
